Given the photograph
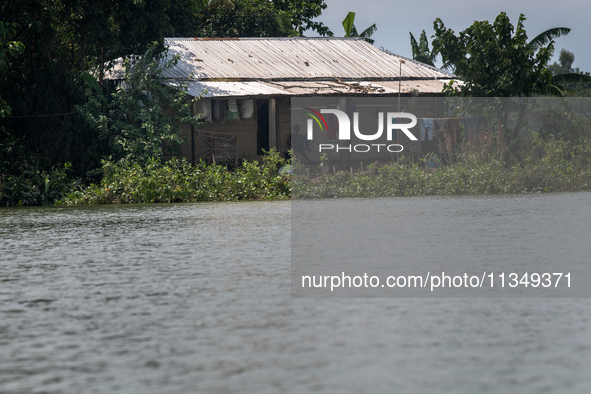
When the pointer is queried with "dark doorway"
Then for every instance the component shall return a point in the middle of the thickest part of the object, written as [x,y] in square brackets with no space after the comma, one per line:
[263,127]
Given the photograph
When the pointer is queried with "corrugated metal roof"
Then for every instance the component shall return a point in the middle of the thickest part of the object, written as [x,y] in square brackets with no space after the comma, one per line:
[308,88]
[290,58]
[230,89]
[423,86]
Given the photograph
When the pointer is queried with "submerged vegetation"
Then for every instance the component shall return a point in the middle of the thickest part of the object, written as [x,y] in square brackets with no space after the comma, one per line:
[179,181]
[127,182]
[538,164]
[532,165]
[553,173]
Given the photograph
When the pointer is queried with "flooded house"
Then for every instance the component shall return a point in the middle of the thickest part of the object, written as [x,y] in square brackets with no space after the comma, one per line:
[246,86]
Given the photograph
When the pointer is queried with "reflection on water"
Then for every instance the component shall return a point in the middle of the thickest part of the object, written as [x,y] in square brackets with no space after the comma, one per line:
[196,299]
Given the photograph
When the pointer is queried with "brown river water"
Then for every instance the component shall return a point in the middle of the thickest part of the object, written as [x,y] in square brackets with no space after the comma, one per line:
[195,298]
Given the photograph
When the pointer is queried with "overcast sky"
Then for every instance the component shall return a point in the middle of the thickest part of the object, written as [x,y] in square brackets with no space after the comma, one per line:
[395,19]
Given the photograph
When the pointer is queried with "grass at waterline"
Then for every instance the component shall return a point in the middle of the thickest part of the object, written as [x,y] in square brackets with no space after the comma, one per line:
[179,181]
[542,166]
[554,166]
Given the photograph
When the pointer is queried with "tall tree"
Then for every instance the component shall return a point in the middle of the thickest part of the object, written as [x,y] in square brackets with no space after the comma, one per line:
[494,60]
[131,122]
[9,50]
[242,18]
[301,14]
[62,39]
[259,18]
[565,64]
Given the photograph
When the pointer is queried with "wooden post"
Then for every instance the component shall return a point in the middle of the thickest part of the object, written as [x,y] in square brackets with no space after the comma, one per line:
[272,124]
[399,80]
[193,135]
[420,124]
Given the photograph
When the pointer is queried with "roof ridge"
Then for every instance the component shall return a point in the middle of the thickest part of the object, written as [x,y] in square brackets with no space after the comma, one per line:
[261,38]
[418,63]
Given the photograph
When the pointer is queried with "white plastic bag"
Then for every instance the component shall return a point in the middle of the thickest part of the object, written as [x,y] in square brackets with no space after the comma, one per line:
[232,113]
[247,108]
[204,109]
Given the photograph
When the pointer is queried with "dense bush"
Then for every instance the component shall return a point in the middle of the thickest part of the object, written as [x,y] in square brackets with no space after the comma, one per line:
[554,166]
[36,187]
[179,181]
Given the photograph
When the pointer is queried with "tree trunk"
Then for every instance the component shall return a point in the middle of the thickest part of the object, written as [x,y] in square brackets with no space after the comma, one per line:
[102,66]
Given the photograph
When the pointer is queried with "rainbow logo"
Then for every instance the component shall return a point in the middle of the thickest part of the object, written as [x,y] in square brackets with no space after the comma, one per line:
[315,115]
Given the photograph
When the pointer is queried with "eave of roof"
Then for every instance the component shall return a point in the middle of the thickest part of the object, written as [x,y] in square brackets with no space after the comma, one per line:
[214,89]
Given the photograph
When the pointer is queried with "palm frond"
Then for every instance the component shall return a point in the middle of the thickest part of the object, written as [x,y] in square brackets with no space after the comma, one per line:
[414,45]
[554,90]
[368,32]
[520,22]
[571,78]
[424,43]
[448,66]
[424,59]
[548,36]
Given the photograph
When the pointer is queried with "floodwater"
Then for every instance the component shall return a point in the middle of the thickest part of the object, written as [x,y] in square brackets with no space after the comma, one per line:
[195,298]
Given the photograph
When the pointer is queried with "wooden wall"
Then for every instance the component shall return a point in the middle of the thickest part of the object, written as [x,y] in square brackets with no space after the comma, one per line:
[246,129]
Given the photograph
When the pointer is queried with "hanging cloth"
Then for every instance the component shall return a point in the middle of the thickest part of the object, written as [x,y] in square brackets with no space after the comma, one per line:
[426,128]
[453,130]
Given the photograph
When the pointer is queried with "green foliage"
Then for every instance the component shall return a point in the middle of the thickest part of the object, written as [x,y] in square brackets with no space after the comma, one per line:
[301,14]
[554,166]
[571,80]
[494,60]
[562,123]
[42,86]
[258,18]
[351,30]
[36,186]
[420,50]
[245,18]
[554,155]
[548,36]
[106,29]
[178,181]
[133,121]
[8,50]
[56,108]
[566,60]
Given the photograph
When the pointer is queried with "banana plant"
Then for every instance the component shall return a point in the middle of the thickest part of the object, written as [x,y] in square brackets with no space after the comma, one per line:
[351,30]
[420,50]
[558,87]
[548,36]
